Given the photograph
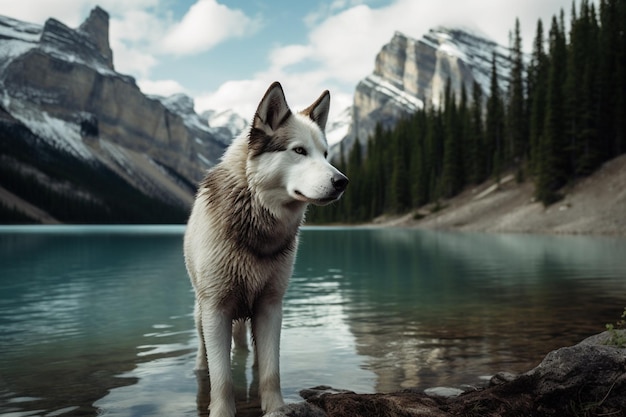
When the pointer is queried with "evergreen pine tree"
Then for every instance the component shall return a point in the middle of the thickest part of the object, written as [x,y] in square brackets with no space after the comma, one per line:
[353,203]
[435,138]
[516,114]
[418,173]
[464,127]
[581,92]
[494,133]
[612,78]
[537,90]
[399,196]
[475,153]
[552,171]
[452,180]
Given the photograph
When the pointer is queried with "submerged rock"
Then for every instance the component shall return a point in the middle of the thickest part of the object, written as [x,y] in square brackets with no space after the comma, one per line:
[445,392]
[404,403]
[303,409]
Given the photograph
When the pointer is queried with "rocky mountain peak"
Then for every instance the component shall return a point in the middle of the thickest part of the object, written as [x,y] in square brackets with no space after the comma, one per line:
[411,73]
[96,26]
[396,62]
[89,43]
[179,103]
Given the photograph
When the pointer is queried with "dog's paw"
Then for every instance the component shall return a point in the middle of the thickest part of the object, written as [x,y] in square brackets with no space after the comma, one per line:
[222,409]
[271,401]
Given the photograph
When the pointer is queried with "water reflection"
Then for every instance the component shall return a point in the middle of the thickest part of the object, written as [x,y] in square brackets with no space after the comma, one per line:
[246,384]
[84,311]
[428,308]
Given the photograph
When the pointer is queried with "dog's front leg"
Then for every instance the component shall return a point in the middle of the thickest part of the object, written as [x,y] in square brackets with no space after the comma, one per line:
[217,331]
[266,323]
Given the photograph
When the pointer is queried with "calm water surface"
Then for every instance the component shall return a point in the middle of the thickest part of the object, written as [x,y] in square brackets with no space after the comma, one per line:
[98,320]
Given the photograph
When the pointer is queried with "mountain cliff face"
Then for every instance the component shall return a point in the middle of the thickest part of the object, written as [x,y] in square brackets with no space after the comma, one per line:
[411,73]
[62,103]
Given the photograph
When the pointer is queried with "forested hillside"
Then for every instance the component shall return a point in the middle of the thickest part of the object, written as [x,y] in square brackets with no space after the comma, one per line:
[562,115]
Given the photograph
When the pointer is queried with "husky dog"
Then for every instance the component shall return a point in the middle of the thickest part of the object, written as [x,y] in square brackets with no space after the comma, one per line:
[242,236]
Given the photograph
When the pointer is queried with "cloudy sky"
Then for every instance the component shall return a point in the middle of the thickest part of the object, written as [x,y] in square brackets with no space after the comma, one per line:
[225,53]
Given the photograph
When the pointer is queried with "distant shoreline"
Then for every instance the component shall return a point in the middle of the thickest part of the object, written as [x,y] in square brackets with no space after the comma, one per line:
[595,205]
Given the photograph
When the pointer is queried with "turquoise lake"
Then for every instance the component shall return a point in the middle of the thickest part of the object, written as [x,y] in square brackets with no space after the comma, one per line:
[98,320]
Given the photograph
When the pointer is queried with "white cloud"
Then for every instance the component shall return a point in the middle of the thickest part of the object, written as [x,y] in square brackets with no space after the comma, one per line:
[242,96]
[325,10]
[70,12]
[301,90]
[138,26]
[339,52]
[206,24]
[161,87]
[132,36]
[134,61]
[285,56]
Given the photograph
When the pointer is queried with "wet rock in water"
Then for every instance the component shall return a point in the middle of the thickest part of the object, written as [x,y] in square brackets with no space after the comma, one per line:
[321,390]
[302,409]
[445,392]
[501,378]
[400,404]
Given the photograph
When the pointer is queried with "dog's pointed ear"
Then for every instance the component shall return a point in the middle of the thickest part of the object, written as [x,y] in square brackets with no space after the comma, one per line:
[318,111]
[272,111]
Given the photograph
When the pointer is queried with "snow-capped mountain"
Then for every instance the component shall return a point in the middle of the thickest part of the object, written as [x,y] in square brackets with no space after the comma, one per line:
[410,73]
[74,128]
[225,124]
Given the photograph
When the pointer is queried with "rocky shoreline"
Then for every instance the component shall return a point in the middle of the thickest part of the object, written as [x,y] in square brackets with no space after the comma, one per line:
[587,379]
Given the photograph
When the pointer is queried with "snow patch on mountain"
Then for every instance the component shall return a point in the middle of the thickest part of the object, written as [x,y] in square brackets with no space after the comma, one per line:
[338,128]
[473,48]
[226,124]
[401,97]
[18,30]
[183,105]
[227,118]
[17,38]
[59,134]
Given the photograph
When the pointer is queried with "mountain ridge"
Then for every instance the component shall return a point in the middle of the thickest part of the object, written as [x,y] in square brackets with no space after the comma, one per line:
[63,104]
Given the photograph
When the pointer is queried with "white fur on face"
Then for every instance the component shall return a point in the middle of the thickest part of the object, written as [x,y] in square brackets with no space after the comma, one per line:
[301,171]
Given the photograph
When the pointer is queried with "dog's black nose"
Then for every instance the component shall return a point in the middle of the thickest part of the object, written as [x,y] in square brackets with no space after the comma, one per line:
[340,182]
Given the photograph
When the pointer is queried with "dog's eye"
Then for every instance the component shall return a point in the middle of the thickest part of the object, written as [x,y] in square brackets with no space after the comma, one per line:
[300,150]
[325,154]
